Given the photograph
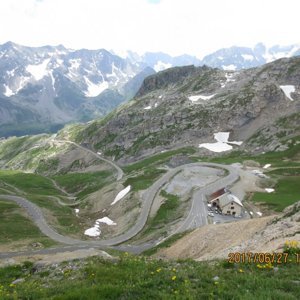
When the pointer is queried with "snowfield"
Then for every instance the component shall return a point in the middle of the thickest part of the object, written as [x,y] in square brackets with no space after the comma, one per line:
[38,71]
[93,89]
[160,66]
[229,68]
[95,231]
[121,194]
[106,220]
[288,89]
[222,143]
[202,97]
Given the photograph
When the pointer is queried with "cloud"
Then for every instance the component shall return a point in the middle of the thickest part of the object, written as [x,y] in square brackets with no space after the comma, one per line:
[154,1]
[174,26]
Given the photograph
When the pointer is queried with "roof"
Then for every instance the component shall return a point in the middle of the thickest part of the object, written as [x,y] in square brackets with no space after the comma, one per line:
[217,194]
[235,199]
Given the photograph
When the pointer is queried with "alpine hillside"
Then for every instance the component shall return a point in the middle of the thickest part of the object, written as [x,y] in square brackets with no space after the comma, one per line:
[186,106]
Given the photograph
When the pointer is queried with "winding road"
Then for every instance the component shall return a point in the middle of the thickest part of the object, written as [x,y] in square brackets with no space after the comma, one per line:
[120,172]
[196,217]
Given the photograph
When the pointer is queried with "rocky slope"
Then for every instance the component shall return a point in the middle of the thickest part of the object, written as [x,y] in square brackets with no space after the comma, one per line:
[185,106]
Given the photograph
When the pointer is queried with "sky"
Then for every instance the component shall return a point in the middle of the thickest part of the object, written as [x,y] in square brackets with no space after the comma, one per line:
[196,27]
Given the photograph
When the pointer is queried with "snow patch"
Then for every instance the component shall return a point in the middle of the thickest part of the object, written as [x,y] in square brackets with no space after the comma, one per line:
[222,143]
[229,68]
[121,194]
[216,147]
[229,77]
[93,89]
[248,57]
[8,92]
[106,220]
[156,104]
[197,97]
[288,89]
[147,107]
[75,63]
[266,166]
[259,213]
[11,73]
[38,71]
[93,231]
[160,66]
[269,190]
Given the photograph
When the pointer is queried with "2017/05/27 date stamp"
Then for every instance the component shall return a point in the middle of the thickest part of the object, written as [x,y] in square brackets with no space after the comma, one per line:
[263,257]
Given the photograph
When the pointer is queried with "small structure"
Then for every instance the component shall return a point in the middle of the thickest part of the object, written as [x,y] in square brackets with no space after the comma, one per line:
[227,203]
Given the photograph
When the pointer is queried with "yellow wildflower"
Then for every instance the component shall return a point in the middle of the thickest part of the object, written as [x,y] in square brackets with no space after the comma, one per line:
[174,277]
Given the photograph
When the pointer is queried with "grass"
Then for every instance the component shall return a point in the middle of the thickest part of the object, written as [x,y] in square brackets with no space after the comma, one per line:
[142,174]
[29,183]
[168,212]
[144,180]
[157,159]
[15,227]
[285,171]
[83,184]
[287,191]
[277,159]
[37,188]
[138,277]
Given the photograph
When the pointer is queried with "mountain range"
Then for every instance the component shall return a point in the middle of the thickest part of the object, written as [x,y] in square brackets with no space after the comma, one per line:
[43,88]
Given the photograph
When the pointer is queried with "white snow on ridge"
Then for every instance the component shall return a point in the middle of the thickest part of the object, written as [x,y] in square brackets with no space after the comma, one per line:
[248,57]
[222,143]
[147,107]
[288,89]
[8,92]
[229,67]
[229,77]
[160,66]
[38,71]
[93,89]
[121,194]
[75,63]
[197,97]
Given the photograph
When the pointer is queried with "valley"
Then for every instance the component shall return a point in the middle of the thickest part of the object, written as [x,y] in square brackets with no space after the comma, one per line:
[143,179]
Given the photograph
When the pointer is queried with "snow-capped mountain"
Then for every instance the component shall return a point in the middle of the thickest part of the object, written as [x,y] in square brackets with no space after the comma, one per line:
[236,58]
[49,86]
[55,85]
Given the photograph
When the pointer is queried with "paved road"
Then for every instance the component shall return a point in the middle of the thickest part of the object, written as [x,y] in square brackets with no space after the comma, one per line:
[196,216]
[120,172]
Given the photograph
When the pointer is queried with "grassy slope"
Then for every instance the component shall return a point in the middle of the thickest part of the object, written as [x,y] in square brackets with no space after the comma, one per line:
[14,226]
[36,189]
[141,278]
[287,192]
[82,184]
